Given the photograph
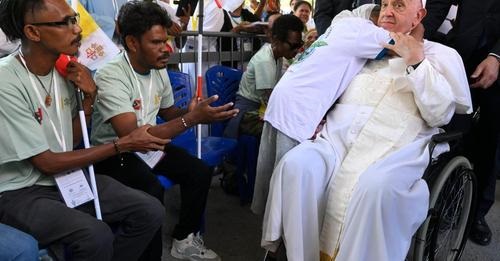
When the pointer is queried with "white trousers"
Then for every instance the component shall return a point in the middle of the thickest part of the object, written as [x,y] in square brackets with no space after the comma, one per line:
[389,203]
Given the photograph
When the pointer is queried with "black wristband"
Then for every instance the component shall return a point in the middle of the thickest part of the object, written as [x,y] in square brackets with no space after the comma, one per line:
[411,68]
[416,65]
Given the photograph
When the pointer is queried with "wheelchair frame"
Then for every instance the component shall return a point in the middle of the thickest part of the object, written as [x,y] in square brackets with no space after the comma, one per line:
[452,185]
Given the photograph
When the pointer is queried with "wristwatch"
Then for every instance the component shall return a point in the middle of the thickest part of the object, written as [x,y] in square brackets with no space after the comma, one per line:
[411,68]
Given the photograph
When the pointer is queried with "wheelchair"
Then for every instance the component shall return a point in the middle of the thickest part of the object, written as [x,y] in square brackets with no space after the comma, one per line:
[452,186]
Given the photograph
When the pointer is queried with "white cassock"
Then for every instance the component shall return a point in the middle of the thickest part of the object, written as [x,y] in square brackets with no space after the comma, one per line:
[356,193]
[312,84]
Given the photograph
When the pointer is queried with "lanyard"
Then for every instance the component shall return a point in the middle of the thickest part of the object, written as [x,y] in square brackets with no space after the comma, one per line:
[59,135]
[144,107]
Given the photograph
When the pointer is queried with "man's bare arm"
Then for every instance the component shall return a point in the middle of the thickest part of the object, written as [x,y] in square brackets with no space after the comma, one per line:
[51,163]
[202,113]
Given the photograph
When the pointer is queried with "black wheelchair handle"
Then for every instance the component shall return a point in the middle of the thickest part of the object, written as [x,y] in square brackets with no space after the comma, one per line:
[446,137]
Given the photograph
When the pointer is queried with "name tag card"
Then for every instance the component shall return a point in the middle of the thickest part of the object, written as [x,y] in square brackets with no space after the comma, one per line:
[151,158]
[74,188]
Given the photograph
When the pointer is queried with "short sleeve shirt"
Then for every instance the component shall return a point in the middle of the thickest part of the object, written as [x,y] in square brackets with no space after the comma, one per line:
[262,74]
[119,92]
[26,125]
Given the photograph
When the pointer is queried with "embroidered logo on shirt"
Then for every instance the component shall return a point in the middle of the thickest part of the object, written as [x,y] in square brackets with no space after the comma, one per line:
[137,104]
[66,102]
[157,99]
[310,50]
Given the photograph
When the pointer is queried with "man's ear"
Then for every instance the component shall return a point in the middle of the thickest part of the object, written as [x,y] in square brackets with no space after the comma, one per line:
[275,42]
[32,33]
[421,13]
[132,43]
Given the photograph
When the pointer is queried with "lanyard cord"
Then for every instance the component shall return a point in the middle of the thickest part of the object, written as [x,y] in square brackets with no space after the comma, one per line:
[58,133]
[144,107]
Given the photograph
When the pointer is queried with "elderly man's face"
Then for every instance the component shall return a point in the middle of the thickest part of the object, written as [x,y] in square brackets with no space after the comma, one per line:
[400,15]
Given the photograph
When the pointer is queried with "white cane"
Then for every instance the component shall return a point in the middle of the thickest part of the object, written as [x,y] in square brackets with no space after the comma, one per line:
[199,89]
[86,144]
[83,125]
[61,65]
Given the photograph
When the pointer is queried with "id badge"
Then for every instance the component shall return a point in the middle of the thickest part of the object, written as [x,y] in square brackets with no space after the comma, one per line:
[151,158]
[74,188]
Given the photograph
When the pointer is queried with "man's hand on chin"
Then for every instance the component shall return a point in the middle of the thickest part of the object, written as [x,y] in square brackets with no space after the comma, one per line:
[406,46]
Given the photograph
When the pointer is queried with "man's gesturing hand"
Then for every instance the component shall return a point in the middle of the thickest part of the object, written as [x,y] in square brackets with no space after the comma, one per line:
[204,113]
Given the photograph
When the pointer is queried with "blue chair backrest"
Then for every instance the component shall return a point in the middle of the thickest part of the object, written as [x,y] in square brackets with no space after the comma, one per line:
[223,81]
[181,89]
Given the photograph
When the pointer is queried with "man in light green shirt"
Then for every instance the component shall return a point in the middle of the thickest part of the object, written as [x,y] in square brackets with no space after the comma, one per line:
[264,69]
[132,90]
[119,93]
[40,127]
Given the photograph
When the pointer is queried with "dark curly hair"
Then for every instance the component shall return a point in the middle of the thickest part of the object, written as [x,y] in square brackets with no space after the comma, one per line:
[137,17]
[286,23]
[12,14]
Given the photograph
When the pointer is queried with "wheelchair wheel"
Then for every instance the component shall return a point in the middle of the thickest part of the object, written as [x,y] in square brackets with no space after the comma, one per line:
[444,233]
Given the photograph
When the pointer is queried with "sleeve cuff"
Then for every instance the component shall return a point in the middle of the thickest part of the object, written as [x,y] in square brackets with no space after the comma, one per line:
[495,55]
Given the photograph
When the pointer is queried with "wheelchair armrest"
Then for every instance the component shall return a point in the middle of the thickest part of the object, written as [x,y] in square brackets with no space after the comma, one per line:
[441,138]
[446,137]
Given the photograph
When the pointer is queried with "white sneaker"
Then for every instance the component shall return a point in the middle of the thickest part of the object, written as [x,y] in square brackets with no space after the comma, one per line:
[192,248]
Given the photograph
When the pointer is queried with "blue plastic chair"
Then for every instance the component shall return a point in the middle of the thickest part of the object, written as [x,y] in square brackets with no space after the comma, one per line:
[223,81]
[181,89]
[213,149]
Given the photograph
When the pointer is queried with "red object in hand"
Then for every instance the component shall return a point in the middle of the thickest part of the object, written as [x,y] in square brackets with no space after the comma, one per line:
[218,3]
[62,63]
[169,48]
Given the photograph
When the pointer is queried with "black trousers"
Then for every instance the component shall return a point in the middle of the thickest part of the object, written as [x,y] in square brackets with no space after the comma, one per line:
[40,211]
[482,144]
[190,173]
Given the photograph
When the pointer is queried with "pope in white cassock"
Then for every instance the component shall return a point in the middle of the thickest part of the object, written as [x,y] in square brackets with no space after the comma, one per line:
[355,192]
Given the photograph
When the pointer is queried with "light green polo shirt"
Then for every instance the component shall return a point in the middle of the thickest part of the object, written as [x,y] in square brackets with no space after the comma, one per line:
[22,135]
[117,93]
[263,72]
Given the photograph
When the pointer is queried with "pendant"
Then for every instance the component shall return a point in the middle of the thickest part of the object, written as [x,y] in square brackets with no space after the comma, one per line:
[48,100]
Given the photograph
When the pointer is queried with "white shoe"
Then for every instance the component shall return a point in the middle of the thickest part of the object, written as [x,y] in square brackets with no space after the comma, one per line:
[192,248]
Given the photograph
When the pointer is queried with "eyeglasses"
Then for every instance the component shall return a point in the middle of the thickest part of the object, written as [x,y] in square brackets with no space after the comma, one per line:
[295,46]
[67,21]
